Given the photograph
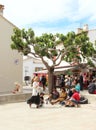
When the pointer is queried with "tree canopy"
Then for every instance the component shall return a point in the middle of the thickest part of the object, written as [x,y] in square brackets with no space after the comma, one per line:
[55,47]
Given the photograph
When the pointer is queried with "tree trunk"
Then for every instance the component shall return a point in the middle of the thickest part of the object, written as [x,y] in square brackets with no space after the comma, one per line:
[50,80]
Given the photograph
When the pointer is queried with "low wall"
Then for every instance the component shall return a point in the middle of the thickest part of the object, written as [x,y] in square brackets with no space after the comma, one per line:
[22,97]
[13,98]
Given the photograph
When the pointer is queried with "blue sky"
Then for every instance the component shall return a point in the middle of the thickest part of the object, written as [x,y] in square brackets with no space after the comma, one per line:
[51,16]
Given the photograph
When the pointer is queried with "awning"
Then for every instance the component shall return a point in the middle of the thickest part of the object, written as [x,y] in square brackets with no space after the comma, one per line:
[59,70]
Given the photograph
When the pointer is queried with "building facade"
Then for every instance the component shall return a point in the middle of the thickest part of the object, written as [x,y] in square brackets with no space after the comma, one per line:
[91,32]
[30,66]
[92,36]
[11,62]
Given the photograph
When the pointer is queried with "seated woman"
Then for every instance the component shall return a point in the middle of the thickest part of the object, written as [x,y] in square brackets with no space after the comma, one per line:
[17,88]
[62,96]
[54,95]
[74,100]
[70,93]
[76,85]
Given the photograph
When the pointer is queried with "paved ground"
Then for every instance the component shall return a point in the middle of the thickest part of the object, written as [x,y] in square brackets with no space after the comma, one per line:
[18,116]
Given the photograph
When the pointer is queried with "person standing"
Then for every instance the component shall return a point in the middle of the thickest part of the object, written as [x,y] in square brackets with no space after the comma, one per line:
[81,81]
[62,82]
[35,98]
[43,81]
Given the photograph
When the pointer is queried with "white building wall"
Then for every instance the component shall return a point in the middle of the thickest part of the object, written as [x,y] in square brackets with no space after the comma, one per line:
[29,66]
[92,35]
[11,61]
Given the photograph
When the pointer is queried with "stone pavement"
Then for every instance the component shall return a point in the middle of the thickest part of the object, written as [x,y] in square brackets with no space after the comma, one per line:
[18,116]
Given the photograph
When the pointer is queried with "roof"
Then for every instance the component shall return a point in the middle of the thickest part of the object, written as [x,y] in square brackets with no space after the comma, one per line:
[8,21]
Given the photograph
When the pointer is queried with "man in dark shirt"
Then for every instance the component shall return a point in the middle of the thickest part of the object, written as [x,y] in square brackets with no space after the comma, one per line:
[81,81]
[43,81]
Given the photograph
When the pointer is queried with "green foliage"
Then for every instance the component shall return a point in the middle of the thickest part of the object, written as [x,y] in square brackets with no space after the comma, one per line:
[49,45]
[45,45]
[21,39]
[90,63]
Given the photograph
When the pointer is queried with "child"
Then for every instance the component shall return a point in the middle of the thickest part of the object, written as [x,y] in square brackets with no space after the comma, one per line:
[17,88]
[41,99]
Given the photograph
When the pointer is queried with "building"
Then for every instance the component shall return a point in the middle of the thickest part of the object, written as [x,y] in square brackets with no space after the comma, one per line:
[91,32]
[11,62]
[30,66]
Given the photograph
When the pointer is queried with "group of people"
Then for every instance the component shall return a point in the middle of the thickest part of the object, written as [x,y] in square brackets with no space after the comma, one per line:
[69,98]
[84,82]
[68,81]
[69,93]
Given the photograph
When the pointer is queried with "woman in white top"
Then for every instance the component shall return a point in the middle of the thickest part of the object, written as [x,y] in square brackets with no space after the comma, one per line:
[35,99]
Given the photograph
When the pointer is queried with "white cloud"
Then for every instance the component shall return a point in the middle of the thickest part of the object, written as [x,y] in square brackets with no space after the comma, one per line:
[24,12]
[86,8]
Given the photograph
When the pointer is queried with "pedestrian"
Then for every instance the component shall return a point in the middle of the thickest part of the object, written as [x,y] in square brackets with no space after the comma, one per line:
[43,81]
[62,83]
[35,98]
[81,81]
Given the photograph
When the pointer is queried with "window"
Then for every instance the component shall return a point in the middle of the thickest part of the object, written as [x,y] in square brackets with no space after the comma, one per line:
[38,68]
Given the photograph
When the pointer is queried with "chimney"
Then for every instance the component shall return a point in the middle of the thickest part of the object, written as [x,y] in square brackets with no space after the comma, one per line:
[79,30]
[85,27]
[1,9]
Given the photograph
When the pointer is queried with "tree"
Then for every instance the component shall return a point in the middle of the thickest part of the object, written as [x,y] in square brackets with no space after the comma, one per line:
[56,47]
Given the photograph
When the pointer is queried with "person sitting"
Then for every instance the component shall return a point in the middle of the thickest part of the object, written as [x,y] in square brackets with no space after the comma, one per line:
[77,85]
[61,98]
[17,88]
[70,93]
[74,100]
[92,87]
[54,95]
